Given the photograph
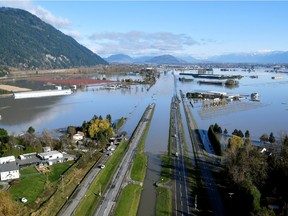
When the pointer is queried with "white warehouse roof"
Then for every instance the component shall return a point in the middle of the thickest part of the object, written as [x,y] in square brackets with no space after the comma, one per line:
[50,155]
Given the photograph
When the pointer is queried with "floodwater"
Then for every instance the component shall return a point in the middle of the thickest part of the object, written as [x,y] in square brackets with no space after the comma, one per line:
[49,113]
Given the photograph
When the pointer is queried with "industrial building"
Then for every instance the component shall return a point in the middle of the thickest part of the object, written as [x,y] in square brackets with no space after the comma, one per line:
[52,155]
[44,93]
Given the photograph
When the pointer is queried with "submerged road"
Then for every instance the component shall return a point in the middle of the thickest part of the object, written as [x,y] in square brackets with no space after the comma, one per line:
[212,190]
[119,179]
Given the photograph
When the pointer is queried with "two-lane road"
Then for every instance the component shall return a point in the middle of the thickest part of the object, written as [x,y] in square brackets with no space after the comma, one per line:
[182,196]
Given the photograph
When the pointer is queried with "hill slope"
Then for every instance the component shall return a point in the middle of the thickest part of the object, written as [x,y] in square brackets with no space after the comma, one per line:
[119,58]
[28,42]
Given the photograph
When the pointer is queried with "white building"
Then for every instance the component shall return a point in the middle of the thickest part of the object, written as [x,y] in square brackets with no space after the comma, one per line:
[47,149]
[9,171]
[4,160]
[78,136]
[52,155]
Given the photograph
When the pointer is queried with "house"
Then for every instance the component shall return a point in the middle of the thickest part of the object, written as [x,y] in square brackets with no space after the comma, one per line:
[52,155]
[9,170]
[78,136]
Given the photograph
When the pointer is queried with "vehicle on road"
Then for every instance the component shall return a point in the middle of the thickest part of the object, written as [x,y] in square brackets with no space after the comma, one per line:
[101,166]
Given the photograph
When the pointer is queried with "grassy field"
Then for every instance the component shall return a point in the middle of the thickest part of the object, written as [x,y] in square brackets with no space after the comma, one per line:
[57,170]
[129,201]
[92,198]
[31,185]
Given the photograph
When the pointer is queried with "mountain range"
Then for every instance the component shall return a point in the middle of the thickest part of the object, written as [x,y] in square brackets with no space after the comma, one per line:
[28,42]
[252,58]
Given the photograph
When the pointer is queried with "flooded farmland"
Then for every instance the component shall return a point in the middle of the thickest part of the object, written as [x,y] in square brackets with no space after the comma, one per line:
[268,114]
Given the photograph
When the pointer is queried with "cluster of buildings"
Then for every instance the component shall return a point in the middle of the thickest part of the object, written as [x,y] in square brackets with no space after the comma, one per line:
[10,166]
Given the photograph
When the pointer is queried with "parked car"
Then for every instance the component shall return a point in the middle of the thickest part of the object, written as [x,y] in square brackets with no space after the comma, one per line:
[23,200]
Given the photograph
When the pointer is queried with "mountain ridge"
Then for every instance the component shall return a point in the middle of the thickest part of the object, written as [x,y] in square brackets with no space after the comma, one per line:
[28,42]
[275,57]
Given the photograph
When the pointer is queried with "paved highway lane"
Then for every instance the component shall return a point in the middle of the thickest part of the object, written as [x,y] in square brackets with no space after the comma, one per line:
[79,193]
[182,198]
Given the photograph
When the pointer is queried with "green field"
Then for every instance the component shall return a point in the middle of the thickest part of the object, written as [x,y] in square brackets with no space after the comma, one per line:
[129,201]
[32,183]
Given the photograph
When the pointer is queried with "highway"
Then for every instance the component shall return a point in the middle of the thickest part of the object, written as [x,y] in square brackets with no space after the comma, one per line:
[209,183]
[79,193]
[182,199]
[121,177]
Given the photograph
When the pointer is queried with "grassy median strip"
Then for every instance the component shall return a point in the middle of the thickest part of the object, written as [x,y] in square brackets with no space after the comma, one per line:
[163,205]
[130,197]
[93,195]
[139,167]
[128,201]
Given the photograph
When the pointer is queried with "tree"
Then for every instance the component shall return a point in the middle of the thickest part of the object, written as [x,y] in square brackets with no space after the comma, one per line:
[264,137]
[100,128]
[240,134]
[225,131]
[71,130]
[109,118]
[234,143]
[235,132]
[31,130]
[247,134]
[271,138]
[285,141]
[4,138]
[217,128]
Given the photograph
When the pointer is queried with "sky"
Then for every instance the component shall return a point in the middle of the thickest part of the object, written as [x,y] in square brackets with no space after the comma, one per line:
[181,28]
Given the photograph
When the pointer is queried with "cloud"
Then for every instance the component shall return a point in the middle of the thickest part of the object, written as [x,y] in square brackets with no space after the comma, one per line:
[39,11]
[141,43]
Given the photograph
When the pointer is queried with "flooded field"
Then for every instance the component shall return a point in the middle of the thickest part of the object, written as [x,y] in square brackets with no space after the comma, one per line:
[269,114]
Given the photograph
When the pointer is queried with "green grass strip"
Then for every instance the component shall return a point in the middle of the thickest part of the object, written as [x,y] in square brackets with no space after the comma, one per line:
[92,198]
[129,201]
[138,171]
[164,202]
